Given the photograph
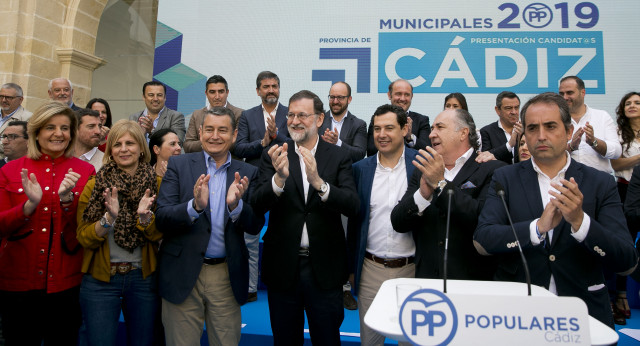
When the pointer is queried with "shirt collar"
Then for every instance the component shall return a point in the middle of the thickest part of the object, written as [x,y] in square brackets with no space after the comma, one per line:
[89,154]
[400,160]
[11,114]
[333,118]
[313,151]
[146,111]
[275,110]
[562,171]
[227,163]
[209,105]
[463,159]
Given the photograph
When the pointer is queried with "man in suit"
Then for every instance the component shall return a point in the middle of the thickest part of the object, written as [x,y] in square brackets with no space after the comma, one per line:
[448,165]
[88,138]
[203,211]
[11,109]
[156,115]
[567,216]
[61,90]
[14,139]
[376,252]
[400,94]
[259,126]
[305,184]
[216,91]
[342,128]
[500,139]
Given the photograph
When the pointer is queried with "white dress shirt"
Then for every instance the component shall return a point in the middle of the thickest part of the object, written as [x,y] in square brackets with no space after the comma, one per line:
[389,185]
[604,129]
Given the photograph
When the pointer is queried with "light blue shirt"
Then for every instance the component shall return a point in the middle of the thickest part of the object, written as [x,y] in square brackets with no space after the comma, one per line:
[217,206]
[5,119]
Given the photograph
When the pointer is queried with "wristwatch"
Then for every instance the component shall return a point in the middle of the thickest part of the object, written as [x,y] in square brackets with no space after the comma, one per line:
[441,184]
[104,223]
[594,144]
[324,188]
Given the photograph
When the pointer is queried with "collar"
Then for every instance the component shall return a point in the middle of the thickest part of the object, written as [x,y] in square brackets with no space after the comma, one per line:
[463,159]
[313,151]
[401,159]
[227,163]
[563,170]
[226,105]
[10,114]
[346,112]
[89,154]
[275,110]
[146,111]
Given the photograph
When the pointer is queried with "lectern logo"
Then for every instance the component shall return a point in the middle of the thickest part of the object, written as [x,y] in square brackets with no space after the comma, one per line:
[428,317]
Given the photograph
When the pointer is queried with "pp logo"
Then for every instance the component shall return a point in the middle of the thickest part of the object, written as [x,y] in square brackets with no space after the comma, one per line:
[428,317]
[537,15]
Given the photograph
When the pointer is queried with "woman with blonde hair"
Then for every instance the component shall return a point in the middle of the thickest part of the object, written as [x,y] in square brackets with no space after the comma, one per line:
[39,255]
[116,226]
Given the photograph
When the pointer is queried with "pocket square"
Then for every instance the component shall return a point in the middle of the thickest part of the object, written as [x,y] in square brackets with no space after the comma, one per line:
[467,185]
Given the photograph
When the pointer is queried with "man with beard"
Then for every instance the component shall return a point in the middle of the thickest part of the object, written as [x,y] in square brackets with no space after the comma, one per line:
[11,108]
[61,90]
[305,184]
[400,94]
[499,139]
[89,135]
[342,128]
[263,125]
[595,137]
[156,116]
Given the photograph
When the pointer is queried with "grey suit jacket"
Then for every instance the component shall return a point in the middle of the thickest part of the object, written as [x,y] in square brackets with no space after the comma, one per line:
[192,140]
[20,114]
[168,118]
[353,135]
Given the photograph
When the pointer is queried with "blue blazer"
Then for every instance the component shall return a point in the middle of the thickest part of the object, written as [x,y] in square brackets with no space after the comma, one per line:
[251,131]
[358,226]
[576,267]
[185,242]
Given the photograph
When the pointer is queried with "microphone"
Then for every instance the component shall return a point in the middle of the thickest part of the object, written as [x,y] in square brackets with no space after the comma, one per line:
[446,238]
[500,192]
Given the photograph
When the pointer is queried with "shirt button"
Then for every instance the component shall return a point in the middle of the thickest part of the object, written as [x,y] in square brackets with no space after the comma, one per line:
[552,258]
[46,188]
[20,190]
[44,230]
[48,169]
[46,208]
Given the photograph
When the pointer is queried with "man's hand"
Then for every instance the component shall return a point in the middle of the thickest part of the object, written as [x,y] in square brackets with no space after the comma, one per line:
[568,201]
[515,133]
[331,136]
[280,163]
[271,131]
[549,219]
[236,190]
[146,124]
[485,156]
[311,168]
[201,192]
[431,165]
[576,138]
[409,128]
[588,131]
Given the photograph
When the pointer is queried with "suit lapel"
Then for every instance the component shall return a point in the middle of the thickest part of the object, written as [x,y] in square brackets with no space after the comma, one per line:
[529,184]
[162,117]
[369,173]
[322,157]
[294,169]
[198,167]
[346,127]
[467,170]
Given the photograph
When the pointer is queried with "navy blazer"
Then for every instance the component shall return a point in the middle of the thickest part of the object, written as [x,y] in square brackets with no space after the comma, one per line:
[251,129]
[185,243]
[494,141]
[289,212]
[353,134]
[469,188]
[420,128]
[576,267]
[358,227]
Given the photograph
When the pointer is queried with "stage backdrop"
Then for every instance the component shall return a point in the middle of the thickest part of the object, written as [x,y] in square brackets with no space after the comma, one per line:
[478,48]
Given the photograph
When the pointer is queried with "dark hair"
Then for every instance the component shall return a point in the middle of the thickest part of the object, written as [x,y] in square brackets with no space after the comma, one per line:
[460,98]
[464,119]
[107,123]
[505,94]
[157,138]
[20,123]
[266,75]
[82,112]
[624,125]
[579,81]
[347,85]
[548,98]
[398,80]
[221,111]
[216,79]
[401,115]
[318,107]
[153,82]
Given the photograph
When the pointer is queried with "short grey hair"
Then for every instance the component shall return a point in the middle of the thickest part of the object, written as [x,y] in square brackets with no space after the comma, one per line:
[463,120]
[68,81]
[13,86]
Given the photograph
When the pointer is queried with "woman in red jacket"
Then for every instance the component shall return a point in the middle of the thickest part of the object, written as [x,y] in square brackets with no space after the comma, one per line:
[40,257]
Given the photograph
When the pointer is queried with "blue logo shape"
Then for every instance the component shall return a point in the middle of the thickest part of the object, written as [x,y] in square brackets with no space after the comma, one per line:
[428,317]
[537,15]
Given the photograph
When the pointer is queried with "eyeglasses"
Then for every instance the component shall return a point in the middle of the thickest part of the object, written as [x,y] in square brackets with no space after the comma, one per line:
[301,116]
[339,98]
[12,137]
[8,98]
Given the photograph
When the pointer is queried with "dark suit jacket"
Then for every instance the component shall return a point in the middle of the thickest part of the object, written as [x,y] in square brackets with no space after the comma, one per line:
[288,213]
[494,140]
[420,128]
[575,266]
[353,135]
[358,227]
[251,131]
[185,243]
[168,118]
[192,139]
[469,190]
